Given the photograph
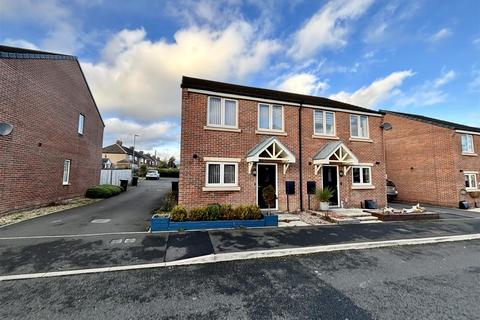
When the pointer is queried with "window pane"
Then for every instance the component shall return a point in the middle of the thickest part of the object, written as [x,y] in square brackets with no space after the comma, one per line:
[329,123]
[81,121]
[363,126]
[356,175]
[467,181]
[214,111]
[213,173]
[66,170]
[230,113]
[229,173]
[263,121]
[319,122]
[354,126]
[366,175]
[277,118]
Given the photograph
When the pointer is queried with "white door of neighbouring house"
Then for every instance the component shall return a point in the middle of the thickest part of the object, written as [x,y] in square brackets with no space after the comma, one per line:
[266,176]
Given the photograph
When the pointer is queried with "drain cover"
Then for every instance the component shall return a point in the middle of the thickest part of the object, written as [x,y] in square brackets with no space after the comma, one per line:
[100,221]
[116,241]
[129,240]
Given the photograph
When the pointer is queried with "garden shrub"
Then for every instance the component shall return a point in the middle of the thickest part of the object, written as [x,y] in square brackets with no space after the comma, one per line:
[179,213]
[168,202]
[168,172]
[227,212]
[102,191]
[198,214]
[213,212]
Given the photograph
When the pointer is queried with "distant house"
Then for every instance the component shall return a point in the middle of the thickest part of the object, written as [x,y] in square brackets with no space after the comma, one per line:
[126,158]
[433,161]
[106,163]
[53,151]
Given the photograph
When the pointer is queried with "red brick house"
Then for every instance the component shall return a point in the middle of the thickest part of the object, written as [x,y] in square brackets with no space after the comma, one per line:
[236,140]
[432,161]
[54,151]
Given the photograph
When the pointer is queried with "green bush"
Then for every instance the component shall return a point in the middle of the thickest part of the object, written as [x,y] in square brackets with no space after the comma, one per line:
[198,214]
[179,213]
[248,212]
[168,172]
[143,170]
[168,202]
[102,191]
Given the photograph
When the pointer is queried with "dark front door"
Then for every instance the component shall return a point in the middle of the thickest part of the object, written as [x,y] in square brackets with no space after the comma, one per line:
[266,176]
[329,176]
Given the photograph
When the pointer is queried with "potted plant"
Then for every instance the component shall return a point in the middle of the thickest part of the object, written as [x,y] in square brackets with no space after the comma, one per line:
[269,196]
[324,195]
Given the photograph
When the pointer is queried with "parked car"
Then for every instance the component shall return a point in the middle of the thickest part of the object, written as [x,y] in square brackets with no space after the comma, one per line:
[392,192]
[152,175]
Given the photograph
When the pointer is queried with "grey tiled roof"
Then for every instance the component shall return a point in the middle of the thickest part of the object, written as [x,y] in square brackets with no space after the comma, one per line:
[260,146]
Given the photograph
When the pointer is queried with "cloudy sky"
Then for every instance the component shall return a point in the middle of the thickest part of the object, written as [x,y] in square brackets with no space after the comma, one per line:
[418,56]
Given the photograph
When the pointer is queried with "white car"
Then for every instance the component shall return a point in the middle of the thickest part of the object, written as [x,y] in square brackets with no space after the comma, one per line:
[152,175]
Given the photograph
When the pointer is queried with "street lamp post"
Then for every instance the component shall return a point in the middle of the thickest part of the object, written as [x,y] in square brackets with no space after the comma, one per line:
[133,151]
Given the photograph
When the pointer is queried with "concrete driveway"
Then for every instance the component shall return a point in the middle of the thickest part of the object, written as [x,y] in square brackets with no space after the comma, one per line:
[127,212]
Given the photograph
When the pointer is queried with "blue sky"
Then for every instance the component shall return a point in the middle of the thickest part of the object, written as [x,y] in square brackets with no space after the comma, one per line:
[418,56]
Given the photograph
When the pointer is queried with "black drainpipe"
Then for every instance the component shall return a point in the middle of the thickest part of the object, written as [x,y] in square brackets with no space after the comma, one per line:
[300,154]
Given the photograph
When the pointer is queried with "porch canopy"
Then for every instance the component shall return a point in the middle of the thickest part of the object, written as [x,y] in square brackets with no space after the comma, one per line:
[270,149]
[334,152]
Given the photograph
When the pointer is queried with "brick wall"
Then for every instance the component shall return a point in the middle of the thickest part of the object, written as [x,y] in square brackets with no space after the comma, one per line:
[195,140]
[425,162]
[42,99]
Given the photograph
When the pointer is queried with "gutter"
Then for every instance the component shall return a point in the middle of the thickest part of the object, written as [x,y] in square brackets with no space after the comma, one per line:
[300,154]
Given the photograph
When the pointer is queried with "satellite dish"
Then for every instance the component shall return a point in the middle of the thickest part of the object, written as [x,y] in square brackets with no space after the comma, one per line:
[5,128]
[386,126]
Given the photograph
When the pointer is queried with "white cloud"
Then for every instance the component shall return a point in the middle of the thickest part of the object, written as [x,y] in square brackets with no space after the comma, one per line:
[140,79]
[328,28]
[20,43]
[428,93]
[378,91]
[441,34]
[303,83]
[476,42]
[63,29]
[475,83]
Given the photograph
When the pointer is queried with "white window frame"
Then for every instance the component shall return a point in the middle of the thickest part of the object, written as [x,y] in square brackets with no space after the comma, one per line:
[222,113]
[475,179]
[356,136]
[270,118]
[467,136]
[67,181]
[222,176]
[81,120]
[324,123]
[361,176]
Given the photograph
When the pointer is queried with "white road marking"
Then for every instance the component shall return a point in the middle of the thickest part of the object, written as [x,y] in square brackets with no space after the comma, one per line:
[100,220]
[74,235]
[221,257]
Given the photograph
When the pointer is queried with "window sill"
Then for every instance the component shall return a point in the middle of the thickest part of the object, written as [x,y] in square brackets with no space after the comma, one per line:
[361,140]
[369,187]
[469,154]
[221,189]
[272,133]
[319,136]
[65,184]
[222,129]
[472,190]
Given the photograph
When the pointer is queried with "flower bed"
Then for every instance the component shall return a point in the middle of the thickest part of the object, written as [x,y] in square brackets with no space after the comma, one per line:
[211,217]
[398,216]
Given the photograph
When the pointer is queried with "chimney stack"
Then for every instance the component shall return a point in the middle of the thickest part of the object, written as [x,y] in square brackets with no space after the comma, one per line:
[119,142]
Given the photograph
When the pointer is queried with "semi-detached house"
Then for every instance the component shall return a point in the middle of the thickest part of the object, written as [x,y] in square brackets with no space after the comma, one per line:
[433,161]
[236,140]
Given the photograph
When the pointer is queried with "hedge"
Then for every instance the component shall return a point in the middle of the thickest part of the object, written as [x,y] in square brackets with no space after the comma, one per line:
[103,191]
[216,212]
[168,172]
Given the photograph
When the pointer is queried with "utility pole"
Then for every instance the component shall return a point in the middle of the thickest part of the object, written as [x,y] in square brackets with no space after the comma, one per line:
[133,151]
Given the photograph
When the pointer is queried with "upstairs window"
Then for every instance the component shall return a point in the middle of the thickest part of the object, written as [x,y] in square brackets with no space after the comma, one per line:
[66,172]
[471,181]
[81,123]
[324,123]
[221,174]
[467,143]
[270,117]
[222,113]
[358,126]
[362,176]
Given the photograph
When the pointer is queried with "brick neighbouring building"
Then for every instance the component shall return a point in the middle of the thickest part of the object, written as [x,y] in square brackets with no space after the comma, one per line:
[430,160]
[43,96]
[300,155]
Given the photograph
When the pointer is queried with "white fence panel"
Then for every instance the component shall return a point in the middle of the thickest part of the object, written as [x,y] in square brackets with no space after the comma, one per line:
[113,176]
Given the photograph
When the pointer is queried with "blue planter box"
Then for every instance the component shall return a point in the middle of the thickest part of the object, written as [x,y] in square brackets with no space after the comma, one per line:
[164,224]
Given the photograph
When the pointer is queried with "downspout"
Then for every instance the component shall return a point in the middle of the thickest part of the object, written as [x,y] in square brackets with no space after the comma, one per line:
[300,154]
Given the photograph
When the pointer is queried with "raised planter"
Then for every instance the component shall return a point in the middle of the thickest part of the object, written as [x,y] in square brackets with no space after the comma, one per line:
[164,224]
[403,216]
